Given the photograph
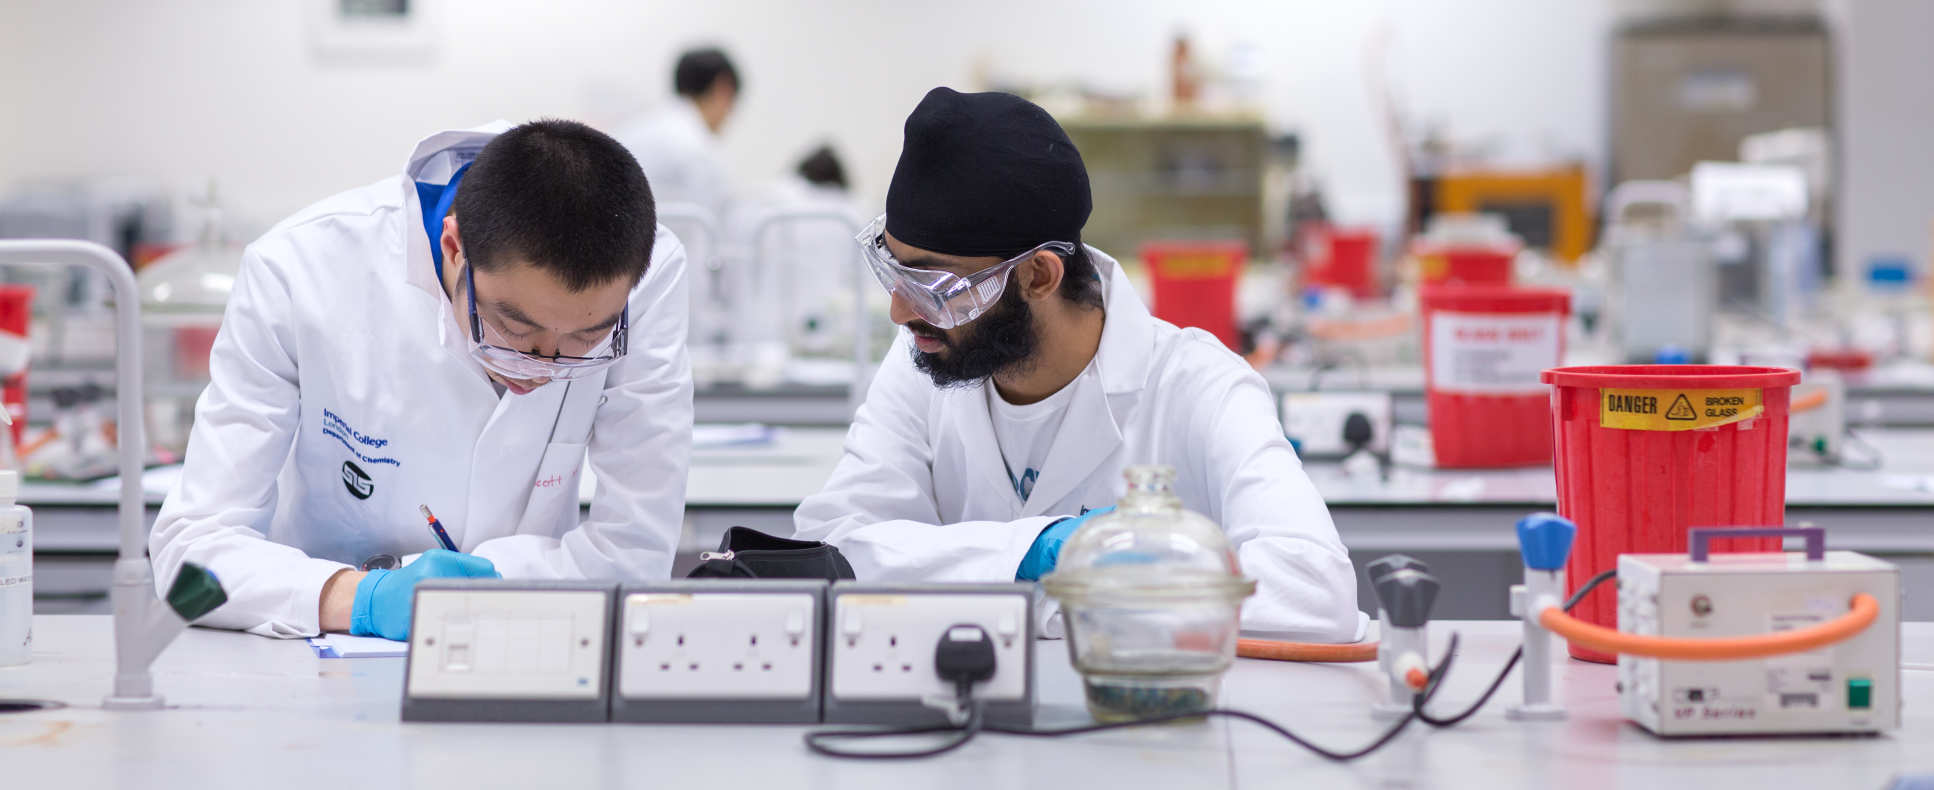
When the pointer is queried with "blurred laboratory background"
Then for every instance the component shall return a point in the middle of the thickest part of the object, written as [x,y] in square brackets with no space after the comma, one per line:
[1691,181]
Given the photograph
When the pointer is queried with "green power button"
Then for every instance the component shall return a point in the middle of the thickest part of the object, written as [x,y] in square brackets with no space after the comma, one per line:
[1860,693]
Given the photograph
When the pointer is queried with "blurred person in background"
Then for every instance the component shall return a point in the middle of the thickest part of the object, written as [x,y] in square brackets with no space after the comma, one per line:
[677,144]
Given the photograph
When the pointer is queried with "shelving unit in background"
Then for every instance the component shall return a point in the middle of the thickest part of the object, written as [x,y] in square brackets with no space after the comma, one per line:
[1187,177]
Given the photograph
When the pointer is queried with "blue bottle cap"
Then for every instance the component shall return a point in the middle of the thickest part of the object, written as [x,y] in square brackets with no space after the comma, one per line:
[1544,539]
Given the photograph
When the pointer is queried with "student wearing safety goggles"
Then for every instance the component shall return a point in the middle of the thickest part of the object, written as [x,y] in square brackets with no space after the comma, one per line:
[459,337]
[1030,374]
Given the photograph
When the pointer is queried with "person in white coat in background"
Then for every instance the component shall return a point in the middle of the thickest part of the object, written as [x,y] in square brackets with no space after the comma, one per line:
[678,143]
[457,337]
[1029,375]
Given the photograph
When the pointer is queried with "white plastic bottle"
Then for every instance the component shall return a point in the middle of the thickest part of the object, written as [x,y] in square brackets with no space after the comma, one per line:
[16,574]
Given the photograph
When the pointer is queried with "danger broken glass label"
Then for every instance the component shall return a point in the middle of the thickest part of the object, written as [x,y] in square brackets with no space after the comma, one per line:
[1676,410]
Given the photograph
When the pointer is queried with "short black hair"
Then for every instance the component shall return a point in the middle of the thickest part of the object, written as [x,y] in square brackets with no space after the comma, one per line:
[1080,279]
[699,69]
[562,196]
[822,167]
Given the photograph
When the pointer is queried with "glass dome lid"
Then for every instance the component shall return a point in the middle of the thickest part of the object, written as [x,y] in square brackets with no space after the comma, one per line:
[1149,548]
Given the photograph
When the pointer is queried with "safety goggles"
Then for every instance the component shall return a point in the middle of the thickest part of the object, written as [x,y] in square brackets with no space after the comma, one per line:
[939,298]
[495,353]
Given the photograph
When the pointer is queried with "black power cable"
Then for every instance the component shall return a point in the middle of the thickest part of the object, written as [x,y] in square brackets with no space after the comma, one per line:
[1417,703]
[960,660]
[817,741]
[1328,754]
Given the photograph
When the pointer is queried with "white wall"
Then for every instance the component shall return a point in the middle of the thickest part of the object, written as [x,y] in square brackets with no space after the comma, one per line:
[181,90]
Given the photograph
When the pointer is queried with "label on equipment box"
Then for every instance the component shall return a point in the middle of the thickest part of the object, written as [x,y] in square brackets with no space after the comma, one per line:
[1492,354]
[1675,409]
[1799,680]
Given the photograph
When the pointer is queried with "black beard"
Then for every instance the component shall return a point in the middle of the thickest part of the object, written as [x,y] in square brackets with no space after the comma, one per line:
[1002,340]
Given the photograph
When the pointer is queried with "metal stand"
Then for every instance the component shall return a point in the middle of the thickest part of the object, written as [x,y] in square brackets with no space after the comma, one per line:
[1541,590]
[862,355]
[1392,643]
[141,619]
[698,230]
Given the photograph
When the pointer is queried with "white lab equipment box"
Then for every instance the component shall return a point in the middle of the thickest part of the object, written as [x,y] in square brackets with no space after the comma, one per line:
[1849,687]
[509,650]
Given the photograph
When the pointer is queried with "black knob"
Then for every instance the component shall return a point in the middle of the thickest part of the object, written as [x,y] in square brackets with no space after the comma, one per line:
[1406,596]
[1381,567]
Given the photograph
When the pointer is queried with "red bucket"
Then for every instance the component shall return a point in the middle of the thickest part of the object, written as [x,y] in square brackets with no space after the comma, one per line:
[1485,348]
[1349,262]
[1195,284]
[1465,263]
[16,315]
[1645,452]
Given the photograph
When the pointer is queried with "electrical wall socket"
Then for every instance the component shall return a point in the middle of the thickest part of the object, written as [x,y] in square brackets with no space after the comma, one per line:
[1314,420]
[503,650]
[719,651]
[880,642]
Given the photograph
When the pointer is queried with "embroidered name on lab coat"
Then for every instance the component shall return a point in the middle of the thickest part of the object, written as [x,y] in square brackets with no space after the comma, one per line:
[335,426]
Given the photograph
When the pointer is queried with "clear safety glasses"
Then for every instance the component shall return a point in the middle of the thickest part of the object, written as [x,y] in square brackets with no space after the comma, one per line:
[939,298]
[495,353]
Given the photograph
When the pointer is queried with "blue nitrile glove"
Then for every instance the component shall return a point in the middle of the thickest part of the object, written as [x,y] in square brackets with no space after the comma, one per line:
[1047,546]
[383,598]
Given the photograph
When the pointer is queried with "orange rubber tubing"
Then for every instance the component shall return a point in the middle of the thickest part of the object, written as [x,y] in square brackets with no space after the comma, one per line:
[1864,610]
[1306,651]
[1808,402]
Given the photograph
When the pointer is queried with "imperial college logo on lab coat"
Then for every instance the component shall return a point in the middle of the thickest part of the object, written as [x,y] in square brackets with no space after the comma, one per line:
[357,481]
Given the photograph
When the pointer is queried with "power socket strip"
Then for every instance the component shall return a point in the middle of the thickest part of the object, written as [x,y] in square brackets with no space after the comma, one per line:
[502,650]
[1314,420]
[880,642]
[719,651]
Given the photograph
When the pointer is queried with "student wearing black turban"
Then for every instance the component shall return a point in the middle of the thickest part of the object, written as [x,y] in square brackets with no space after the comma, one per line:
[1031,376]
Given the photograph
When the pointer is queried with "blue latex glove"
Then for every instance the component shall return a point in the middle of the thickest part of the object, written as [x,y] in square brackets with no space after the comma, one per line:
[1047,546]
[384,598]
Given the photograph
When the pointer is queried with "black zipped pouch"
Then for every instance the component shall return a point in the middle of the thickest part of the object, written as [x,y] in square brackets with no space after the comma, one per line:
[747,553]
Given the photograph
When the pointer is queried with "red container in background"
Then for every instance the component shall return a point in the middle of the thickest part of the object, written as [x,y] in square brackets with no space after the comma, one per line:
[1465,263]
[1646,452]
[1349,262]
[1485,350]
[1195,284]
[16,314]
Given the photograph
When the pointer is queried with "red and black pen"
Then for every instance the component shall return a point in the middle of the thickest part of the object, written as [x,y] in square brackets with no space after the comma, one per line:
[436,527]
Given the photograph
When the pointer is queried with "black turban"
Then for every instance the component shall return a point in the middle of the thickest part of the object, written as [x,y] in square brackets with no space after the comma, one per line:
[985,174]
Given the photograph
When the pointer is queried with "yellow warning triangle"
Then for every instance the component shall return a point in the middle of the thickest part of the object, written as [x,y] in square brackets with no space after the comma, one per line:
[1681,410]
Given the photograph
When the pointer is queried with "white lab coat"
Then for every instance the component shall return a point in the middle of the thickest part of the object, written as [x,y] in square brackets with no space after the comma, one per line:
[681,156]
[922,493]
[342,396]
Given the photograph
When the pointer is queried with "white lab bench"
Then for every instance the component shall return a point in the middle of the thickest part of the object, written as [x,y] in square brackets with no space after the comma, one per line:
[1457,520]
[246,711]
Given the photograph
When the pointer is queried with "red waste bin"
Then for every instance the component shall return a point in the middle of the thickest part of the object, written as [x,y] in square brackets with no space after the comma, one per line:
[1482,264]
[16,315]
[1646,452]
[1485,350]
[1195,284]
[1349,262]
